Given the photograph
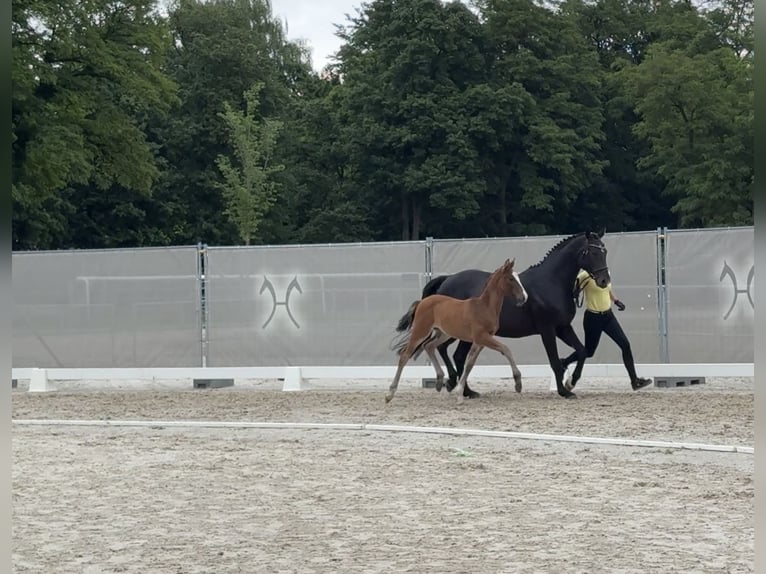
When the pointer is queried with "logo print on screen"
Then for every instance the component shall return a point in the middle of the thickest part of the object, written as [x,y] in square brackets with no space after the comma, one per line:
[269,286]
[727,271]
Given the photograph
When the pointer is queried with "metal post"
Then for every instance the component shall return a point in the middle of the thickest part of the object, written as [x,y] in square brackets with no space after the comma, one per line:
[429,270]
[662,295]
[202,289]
[429,258]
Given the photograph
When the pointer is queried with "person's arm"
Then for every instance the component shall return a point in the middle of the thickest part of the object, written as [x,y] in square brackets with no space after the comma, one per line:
[620,305]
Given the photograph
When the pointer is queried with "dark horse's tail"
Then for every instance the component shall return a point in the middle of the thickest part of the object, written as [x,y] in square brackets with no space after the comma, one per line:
[405,322]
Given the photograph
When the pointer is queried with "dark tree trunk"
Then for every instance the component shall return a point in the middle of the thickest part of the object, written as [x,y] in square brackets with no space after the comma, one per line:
[502,192]
[415,220]
[405,219]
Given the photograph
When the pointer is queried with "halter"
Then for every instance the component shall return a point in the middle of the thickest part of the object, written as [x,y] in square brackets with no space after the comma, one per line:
[585,252]
[577,291]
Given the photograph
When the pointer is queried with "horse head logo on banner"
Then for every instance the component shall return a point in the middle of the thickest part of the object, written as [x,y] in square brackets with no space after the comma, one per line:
[729,272]
[292,286]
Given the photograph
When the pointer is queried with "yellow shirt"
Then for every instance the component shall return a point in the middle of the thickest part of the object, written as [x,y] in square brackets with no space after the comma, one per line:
[596,298]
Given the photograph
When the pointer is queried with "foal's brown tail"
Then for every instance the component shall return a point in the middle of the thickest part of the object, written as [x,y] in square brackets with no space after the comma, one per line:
[404,339]
[430,288]
[405,322]
[403,327]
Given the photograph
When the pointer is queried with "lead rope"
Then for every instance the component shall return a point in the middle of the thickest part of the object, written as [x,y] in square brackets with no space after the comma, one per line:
[578,295]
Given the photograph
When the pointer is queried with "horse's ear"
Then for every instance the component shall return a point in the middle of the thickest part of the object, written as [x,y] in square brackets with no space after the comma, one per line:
[512,263]
[601,233]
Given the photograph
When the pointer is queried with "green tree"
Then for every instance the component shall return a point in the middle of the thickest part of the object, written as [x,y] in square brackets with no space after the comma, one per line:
[85,75]
[697,115]
[222,48]
[554,153]
[320,202]
[624,197]
[407,66]
[248,184]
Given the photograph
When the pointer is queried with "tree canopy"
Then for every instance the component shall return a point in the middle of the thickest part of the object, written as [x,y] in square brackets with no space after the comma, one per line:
[136,127]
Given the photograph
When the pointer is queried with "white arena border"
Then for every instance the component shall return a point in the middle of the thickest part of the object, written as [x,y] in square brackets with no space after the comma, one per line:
[294,376]
[389,428]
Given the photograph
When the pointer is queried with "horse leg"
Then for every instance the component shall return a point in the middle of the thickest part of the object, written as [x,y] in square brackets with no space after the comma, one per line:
[403,358]
[451,374]
[492,343]
[430,349]
[461,353]
[548,335]
[418,334]
[473,354]
[567,334]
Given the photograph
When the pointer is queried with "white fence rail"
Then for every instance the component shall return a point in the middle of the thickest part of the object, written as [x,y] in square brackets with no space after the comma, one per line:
[294,376]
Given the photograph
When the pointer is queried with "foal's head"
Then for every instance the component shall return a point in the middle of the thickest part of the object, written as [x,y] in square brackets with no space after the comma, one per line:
[508,283]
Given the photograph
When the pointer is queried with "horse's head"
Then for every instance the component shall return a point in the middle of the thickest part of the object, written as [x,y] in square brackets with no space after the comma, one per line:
[592,258]
[510,284]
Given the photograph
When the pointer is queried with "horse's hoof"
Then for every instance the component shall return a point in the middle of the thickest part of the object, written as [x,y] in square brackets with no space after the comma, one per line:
[388,399]
[471,395]
[439,386]
[571,396]
[518,386]
[450,385]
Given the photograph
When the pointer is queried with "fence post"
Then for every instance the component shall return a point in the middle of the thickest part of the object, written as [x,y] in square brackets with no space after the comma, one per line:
[662,295]
[429,258]
[202,286]
[429,268]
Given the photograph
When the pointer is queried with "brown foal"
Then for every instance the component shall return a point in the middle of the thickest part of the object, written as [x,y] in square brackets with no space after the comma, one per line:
[438,318]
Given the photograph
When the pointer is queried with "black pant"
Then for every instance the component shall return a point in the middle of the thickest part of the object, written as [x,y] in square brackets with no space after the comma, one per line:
[596,323]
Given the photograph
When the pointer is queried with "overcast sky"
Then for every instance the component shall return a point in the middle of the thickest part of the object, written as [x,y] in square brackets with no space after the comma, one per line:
[312,21]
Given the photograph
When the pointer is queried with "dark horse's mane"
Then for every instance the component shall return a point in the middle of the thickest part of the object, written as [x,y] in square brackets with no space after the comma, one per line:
[556,247]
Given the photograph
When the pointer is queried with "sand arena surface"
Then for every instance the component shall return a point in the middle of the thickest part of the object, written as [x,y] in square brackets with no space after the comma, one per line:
[103,500]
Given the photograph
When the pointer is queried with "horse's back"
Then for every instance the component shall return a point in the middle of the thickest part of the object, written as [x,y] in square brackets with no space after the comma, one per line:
[437,303]
[464,284]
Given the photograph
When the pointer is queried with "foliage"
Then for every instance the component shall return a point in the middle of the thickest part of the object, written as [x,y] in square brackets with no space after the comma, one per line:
[249,188]
[697,113]
[132,127]
[86,75]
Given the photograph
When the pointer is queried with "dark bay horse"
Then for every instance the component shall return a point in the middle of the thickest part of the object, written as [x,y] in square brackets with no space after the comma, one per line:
[437,318]
[548,312]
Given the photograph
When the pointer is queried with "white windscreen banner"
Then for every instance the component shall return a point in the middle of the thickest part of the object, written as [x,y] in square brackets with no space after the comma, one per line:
[710,277]
[310,305]
[106,308]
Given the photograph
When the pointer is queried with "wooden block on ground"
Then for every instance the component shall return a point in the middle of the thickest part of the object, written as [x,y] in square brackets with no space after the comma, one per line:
[428,383]
[672,382]
[213,383]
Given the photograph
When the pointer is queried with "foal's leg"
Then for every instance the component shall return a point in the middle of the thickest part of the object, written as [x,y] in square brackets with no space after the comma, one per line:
[417,336]
[420,331]
[473,354]
[430,349]
[488,340]
[460,356]
[403,358]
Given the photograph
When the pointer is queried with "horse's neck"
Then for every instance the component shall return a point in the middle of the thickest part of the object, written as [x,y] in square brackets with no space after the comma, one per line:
[491,297]
[565,262]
